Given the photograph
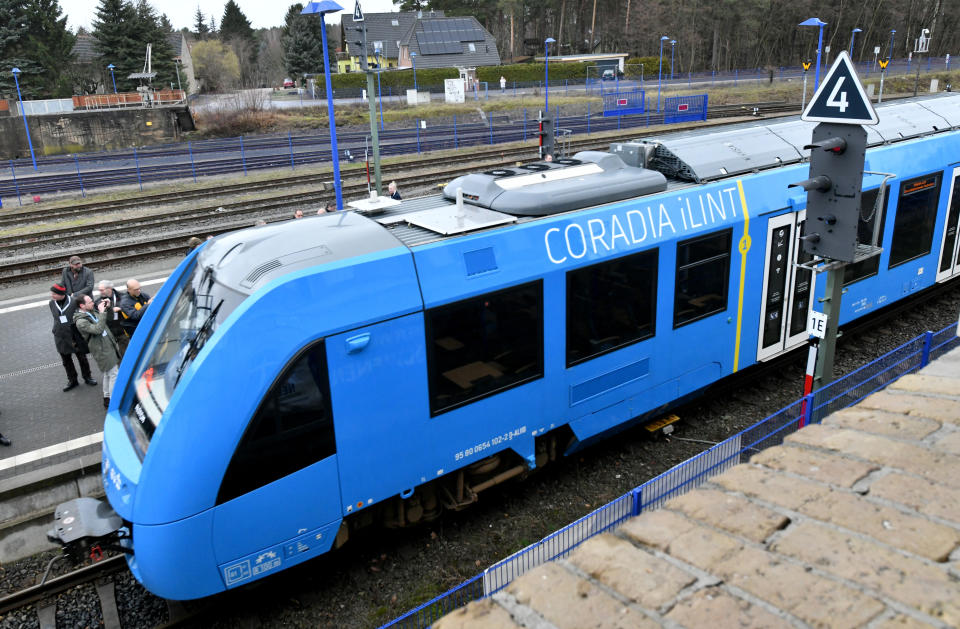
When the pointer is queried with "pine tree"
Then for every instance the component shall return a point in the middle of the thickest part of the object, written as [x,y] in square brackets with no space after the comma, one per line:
[200,27]
[117,35]
[236,32]
[303,43]
[234,24]
[151,32]
[213,26]
[14,52]
[50,44]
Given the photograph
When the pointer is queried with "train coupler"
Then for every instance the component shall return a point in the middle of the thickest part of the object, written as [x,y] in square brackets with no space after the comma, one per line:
[85,526]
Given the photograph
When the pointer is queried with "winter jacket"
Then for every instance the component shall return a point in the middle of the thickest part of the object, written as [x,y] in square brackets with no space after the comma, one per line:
[94,329]
[133,308]
[63,332]
[82,285]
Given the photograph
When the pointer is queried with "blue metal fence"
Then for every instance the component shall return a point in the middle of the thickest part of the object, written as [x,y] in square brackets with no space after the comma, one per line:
[771,431]
[684,108]
[623,103]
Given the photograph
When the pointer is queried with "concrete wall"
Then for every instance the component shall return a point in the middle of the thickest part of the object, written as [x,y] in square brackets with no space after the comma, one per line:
[89,131]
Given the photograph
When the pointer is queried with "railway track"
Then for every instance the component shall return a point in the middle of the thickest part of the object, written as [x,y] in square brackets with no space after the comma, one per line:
[392,143]
[178,225]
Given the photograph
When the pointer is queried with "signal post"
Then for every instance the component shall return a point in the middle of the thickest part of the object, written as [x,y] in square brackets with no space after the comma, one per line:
[837,157]
[365,66]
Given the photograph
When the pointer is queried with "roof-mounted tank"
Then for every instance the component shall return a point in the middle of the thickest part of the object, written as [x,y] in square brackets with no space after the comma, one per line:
[588,178]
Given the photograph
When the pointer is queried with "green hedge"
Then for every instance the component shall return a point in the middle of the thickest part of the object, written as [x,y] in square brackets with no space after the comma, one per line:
[520,72]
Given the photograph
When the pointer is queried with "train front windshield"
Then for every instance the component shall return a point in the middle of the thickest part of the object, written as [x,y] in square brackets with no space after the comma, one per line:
[190,316]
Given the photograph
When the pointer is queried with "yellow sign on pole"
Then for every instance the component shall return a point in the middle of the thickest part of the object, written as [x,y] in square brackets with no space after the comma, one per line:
[806,65]
[883,64]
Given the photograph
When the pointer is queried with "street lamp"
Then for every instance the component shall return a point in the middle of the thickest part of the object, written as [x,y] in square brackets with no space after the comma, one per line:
[112,76]
[660,71]
[322,8]
[413,58]
[23,113]
[176,62]
[815,21]
[546,70]
[853,35]
[673,42]
[893,32]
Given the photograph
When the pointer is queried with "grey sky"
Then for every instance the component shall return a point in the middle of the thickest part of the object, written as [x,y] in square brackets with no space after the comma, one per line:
[181,12]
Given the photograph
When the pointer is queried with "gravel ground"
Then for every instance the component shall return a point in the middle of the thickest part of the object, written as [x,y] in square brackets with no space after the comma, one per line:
[381,574]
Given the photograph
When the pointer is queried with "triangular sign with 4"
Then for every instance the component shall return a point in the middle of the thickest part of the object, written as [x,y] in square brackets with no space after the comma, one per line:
[357,13]
[840,97]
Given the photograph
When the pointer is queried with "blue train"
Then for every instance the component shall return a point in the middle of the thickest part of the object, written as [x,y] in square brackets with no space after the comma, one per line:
[293,382]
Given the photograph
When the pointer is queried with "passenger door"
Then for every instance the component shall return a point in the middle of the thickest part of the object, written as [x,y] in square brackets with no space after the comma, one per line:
[787,289]
[950,245]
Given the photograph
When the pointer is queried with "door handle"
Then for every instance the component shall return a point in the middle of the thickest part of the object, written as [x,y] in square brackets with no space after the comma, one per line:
[358,343]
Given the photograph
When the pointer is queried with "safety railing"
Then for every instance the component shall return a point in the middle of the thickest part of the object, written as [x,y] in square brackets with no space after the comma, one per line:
[771,431]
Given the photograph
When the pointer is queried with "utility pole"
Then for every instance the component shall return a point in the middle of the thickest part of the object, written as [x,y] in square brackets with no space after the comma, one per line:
[365,66]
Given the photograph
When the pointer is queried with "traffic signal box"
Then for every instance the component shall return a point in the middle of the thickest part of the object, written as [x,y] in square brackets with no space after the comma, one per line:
[833,190]
[545,132]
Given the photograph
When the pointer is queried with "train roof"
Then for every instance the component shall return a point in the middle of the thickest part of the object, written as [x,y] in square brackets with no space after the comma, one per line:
[683,159]
[516,195]
[247,259]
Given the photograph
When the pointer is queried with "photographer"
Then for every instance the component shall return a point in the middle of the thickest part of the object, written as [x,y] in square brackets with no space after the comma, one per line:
[92,323]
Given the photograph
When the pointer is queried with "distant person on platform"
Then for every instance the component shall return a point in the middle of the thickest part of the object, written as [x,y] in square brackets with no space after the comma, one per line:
[394,193]
[503,84]
[133,305]
[114,318]
[298,214]
[193,243]
[66,337]
[92,323]
[4,441]
[77,279]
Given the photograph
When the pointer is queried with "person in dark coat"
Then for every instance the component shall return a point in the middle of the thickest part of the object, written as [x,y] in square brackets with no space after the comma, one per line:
[77,279]
[66,338]
[91,321]
[133,305]
[393,192]
[4,441]
[114,318]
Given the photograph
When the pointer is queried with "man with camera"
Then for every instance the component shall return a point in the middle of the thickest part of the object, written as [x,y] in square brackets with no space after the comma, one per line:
[92,322]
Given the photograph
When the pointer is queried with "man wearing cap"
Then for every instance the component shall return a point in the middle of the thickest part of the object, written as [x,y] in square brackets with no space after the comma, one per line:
[77,279]
[68,342]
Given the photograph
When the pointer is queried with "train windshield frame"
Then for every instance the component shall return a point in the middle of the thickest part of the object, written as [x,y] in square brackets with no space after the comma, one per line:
[194,311]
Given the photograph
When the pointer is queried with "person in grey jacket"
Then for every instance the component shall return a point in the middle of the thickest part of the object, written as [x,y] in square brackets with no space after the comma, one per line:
[77,279]
[62,307]
[93,324]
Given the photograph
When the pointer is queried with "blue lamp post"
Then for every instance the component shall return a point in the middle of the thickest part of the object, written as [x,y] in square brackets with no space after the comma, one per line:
[815,21]
[413,58]
[23,112]
[112,76]
[546,71]
[660,71]
[673,43]
[853,35]
[322,8]
[893,32]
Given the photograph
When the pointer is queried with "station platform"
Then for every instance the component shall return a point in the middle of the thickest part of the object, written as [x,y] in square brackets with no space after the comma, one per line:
[853,522]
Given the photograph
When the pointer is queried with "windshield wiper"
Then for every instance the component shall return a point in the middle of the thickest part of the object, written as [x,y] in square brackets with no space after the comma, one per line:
[198,340]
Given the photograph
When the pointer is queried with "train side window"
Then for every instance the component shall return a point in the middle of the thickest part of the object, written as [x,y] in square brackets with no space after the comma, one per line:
[867,268]
[703,277]
[293,428]
[916,218]
[484,345]
[610,305]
